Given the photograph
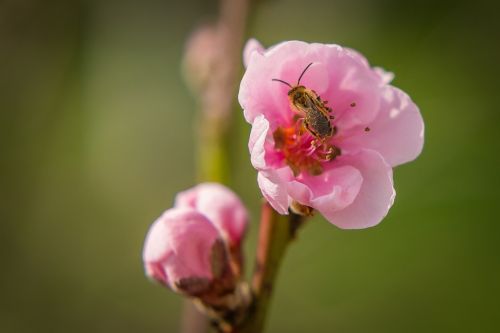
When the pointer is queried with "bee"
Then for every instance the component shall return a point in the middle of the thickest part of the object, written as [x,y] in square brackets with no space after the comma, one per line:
[314,112]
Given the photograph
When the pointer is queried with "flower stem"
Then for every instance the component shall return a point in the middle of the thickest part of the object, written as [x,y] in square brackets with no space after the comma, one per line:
[276,232]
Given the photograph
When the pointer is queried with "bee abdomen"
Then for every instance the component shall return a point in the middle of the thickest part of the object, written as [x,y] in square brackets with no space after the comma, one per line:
[319,123]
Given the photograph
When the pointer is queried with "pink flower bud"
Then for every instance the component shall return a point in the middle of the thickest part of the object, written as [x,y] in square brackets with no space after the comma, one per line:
[202,51]
[221,206]
[180,249]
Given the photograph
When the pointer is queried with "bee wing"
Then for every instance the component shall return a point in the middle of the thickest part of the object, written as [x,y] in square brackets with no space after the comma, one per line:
[314,104]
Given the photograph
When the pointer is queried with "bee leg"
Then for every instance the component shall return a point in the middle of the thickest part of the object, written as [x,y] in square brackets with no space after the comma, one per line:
[334,130]
[330,154]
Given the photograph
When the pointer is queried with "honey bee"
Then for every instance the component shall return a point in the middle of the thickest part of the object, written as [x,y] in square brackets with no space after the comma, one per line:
[314,112]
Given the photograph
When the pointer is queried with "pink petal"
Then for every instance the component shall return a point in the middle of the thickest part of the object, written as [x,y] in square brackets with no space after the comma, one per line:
[176,269]
[156,272]
[375,196]
[354,90]
[261,145]
[257,142]
[251,46]
[220,205]
[329,192]
[316,77]
[260,95]
[274,189]
[397,133]
[385,76]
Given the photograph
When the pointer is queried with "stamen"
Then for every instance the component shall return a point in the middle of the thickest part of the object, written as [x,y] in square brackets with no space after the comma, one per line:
[302,151]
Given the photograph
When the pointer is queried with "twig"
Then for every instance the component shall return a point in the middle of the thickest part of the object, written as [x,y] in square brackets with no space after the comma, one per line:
[276,232]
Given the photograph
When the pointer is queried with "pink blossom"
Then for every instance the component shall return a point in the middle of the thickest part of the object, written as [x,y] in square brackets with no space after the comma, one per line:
[221,206]
[342,167]
[178,247]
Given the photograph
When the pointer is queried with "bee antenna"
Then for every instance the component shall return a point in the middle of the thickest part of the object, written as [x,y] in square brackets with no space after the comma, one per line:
[278,80]
[303,72]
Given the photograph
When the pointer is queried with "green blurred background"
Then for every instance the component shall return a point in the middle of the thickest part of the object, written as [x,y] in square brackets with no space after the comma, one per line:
[96,137]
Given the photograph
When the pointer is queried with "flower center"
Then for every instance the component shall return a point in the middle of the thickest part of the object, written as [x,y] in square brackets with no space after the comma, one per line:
[302,151]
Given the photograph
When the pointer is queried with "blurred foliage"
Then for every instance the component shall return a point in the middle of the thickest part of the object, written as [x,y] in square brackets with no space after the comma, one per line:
[96,137]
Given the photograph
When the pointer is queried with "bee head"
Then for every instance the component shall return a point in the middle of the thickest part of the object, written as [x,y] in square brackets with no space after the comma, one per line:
[296,94]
